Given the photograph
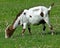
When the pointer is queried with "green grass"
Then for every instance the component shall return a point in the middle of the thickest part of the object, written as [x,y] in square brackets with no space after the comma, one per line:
[8,11]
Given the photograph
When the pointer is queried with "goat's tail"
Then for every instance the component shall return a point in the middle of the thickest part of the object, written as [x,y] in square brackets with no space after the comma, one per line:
[50,6]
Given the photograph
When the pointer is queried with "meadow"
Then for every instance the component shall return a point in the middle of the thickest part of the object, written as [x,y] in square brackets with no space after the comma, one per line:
[8,11]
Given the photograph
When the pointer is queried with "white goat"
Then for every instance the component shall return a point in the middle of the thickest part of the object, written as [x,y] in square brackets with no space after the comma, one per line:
[36,15]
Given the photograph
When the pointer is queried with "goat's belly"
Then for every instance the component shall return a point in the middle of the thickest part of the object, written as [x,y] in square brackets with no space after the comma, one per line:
[34,20]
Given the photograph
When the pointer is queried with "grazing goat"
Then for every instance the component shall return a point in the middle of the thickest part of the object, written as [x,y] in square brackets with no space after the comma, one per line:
[36,15]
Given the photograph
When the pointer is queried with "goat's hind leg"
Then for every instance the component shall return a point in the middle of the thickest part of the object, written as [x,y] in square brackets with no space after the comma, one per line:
[50,26]
[43,31]
[51,30]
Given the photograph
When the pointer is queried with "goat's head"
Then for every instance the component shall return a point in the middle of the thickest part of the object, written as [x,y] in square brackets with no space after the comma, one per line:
[9,31]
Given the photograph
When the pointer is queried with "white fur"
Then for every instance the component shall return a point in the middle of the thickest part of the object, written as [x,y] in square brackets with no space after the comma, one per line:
[36,17]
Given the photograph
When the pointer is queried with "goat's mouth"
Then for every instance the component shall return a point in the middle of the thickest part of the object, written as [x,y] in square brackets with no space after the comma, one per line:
[9,32]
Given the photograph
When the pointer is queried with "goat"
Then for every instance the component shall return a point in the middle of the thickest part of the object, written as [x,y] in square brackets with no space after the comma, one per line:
[35,16]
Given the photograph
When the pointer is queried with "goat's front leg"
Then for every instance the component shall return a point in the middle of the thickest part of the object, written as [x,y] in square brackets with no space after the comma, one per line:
[24,28]
[29,29]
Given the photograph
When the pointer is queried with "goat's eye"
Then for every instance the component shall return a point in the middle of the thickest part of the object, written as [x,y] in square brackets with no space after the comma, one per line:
[42,14]
[8,28]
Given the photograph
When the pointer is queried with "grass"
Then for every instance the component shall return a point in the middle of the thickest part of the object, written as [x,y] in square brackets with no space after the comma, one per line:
[8,12]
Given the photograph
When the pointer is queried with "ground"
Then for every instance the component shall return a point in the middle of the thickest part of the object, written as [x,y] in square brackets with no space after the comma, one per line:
[8,11]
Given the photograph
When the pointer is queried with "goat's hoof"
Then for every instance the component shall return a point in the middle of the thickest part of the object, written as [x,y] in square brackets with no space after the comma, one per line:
[43,33]
[52,33]
[22,34]
[6,37]
[30,33]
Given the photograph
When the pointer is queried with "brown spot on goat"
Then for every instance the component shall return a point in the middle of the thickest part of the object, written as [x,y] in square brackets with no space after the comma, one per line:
[19,22]
[30,16]
[42,14]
